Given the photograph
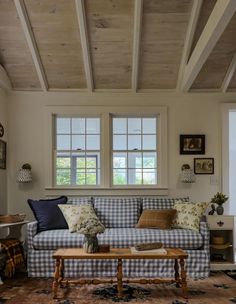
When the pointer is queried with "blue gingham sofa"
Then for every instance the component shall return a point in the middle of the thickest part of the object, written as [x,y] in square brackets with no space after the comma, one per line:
[119,215]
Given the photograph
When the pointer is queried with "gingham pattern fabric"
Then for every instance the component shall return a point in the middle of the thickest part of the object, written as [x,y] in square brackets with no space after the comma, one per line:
[160,202]
[121,238]
[117,212]
[41,264]
[79,200]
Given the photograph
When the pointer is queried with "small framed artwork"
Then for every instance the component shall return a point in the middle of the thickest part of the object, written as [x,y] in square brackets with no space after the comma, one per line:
[192,144]
[3,154]
[203,165]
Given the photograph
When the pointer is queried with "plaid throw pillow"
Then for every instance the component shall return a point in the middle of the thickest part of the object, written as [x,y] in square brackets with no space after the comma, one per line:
[118,212]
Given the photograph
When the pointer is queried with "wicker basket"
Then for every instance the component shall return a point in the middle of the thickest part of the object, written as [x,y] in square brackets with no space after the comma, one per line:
[12,218]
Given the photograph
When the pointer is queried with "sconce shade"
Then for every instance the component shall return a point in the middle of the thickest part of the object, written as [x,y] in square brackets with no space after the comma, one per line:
[24,176]
[187,175]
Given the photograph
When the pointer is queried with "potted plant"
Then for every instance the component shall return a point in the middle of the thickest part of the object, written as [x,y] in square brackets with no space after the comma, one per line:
[219,199]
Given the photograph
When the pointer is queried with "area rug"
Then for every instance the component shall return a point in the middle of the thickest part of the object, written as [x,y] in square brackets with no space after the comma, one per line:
[218,288]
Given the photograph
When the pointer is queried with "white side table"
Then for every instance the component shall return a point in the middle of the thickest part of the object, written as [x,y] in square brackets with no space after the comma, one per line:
[14,231]
[222,258]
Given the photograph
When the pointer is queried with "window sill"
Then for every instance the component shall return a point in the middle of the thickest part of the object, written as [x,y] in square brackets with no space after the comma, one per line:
[103,191]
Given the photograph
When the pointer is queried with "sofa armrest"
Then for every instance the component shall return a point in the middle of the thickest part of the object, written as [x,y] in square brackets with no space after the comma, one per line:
[32,228]
[205,232]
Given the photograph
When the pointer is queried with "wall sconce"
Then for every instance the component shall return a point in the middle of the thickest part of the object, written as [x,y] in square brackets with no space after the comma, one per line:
[24,174]
[187,175]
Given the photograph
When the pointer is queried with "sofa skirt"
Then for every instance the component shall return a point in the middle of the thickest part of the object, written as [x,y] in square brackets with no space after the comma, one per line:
[41,264]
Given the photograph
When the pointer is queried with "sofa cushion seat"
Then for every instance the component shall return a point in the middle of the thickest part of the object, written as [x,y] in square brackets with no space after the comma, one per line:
[120,237]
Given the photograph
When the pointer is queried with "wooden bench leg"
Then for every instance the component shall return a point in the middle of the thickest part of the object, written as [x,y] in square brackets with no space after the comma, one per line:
[177,279]
[119,279]
[183,279]
[56,278]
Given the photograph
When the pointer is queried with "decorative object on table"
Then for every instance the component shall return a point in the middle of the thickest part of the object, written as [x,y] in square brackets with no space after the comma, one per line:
[187,175]
[204,165]
[3,154]
[1,130]
[104,248]
[25,174]
[14,255]
[12,218]
[89,225]
[192,144]
[148,246]
[219,199]
[213,210]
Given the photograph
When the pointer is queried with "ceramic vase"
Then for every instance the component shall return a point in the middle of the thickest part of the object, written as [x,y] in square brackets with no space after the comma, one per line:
[90,243]
[220,209]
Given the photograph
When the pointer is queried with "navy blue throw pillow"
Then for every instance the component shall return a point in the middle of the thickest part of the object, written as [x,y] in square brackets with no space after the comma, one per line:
[48,214]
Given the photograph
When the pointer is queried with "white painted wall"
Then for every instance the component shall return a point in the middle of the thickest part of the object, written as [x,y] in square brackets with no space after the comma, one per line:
[187,114]
[232,162]
[3,173]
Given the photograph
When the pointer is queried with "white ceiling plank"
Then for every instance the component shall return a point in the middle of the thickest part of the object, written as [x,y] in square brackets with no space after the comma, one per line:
[216,24]
[197,4]
[22,13]
[5,82]
[229,74]
[84,42]
[138,12]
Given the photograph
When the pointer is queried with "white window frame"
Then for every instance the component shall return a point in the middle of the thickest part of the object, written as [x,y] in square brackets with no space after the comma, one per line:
[105,113]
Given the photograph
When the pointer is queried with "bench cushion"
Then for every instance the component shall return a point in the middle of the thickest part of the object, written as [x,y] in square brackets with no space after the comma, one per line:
[121,238]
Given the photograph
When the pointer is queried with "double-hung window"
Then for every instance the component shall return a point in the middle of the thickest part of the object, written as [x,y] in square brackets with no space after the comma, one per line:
[77,149]
[107,148]
[134,151]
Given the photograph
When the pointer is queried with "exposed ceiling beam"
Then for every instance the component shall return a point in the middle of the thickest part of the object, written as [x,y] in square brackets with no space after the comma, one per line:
[138,12]
[197,4]
[216,24]
[5,82]
[22,13]
[84,42]
[229,74]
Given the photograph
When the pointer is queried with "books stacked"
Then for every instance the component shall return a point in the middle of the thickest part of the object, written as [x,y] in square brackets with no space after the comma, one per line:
[156,251]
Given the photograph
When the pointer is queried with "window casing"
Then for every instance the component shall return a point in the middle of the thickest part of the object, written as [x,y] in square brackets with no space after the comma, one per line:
[103,157]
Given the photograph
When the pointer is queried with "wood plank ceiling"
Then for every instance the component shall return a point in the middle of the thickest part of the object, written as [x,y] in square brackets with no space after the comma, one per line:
[124,45]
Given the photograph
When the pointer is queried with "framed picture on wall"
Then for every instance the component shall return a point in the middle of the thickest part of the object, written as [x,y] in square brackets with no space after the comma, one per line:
[192,144]
[203,165]
[3,154]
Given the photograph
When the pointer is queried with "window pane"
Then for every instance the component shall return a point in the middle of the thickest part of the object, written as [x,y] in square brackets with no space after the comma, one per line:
[149,177]
[63,177]
[93,142]
[78,142]
[135,160]
[78,125]
[119,177]
[119,126]
[80,177]
[134,142]
[149,125]
[91,177]
[80,162]
[134,125]
[93,126]
[91,162]
[149,160]
[63,125]
[149,142]
[63,162]
[119,142]
[135,177]
[63,142]
[119,160]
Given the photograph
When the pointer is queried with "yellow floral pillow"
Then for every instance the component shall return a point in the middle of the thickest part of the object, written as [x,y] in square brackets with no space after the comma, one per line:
[188,214]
